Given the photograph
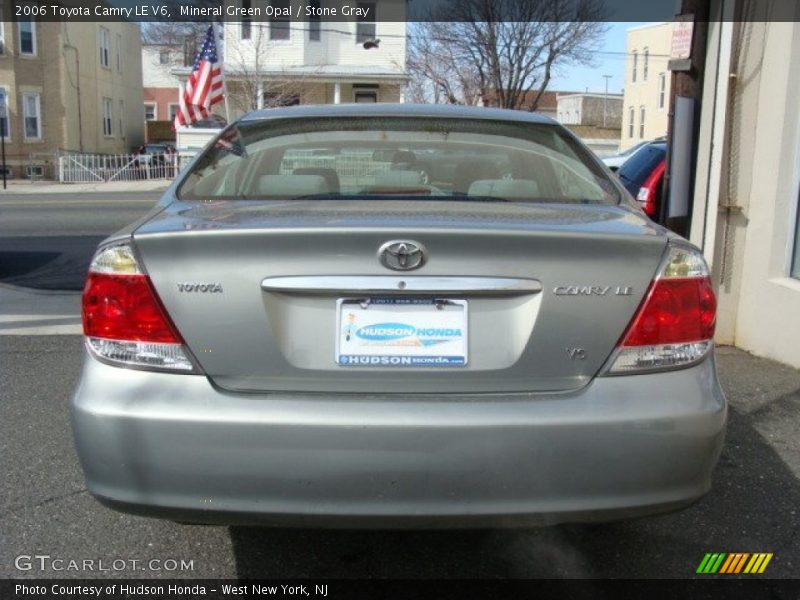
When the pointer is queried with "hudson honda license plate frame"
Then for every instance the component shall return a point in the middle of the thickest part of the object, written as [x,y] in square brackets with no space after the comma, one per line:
[401,332]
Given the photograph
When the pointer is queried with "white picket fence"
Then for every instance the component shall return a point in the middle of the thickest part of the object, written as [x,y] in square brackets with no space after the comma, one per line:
[96,168]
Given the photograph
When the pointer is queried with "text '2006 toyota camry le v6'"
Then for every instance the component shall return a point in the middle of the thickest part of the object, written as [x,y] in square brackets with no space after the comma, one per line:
[309,330]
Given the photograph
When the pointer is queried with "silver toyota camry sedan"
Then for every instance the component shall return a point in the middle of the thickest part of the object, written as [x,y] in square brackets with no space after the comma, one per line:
[397,316]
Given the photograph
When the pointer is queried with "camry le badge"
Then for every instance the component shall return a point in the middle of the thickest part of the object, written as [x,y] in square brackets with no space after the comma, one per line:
[402,255]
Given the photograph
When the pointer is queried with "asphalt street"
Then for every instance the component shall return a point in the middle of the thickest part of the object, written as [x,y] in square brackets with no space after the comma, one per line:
[46,242]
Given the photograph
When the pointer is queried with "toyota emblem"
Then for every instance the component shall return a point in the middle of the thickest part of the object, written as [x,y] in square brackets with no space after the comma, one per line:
[402,255]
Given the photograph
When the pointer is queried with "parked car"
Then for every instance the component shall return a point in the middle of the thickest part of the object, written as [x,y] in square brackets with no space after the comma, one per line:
[643,176]
[616,161]
[155,160]
[347,345]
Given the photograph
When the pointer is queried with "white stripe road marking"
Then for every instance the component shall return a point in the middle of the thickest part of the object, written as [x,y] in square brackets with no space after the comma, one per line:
[28,324]
[30,312]
[43,330]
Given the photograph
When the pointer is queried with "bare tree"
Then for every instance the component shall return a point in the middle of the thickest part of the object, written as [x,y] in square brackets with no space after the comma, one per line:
[433,76]
[176,32]
[173,33]
[501,51]
[253,79]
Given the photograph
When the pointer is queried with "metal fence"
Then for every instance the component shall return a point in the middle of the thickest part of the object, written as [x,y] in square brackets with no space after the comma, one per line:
[95,168]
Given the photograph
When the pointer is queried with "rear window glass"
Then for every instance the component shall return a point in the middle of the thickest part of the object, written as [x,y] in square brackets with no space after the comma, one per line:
[640,165]
[415,158]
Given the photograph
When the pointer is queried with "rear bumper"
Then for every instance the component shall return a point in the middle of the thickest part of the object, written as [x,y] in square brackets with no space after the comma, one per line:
[175,446]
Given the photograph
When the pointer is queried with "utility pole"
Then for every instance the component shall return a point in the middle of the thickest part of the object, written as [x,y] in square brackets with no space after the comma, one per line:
[605,100]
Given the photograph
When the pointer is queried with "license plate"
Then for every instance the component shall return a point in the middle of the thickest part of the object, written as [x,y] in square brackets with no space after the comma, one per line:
[401,332]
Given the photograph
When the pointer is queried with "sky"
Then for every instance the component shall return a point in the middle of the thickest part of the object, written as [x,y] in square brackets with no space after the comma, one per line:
[610,60]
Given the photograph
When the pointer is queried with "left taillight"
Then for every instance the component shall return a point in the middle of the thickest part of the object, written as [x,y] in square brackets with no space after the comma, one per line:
[123,319]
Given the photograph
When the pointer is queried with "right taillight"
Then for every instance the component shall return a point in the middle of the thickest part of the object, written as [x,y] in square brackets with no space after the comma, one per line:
[647,198]
[124,321]
[674,325]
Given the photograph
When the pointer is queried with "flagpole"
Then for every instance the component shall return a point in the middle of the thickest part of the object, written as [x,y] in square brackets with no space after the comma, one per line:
[222,69]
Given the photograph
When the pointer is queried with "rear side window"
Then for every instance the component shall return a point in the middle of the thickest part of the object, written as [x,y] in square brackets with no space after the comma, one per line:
[383,158]
[640,165]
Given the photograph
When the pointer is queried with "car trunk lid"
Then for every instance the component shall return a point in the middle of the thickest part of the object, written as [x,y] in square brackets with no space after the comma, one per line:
[256,289]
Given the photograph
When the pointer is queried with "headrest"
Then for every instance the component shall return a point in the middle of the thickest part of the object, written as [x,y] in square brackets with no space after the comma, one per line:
[398,179]
[505,188]
[292,185]
[330,176]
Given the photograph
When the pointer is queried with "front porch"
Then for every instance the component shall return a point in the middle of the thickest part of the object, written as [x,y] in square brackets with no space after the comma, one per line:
[325,84]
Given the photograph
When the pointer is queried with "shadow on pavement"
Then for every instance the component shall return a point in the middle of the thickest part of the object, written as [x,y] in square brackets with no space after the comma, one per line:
[47,262]
[753,507]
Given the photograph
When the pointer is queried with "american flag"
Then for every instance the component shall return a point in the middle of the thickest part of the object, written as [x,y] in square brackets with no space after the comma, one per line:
[205,86]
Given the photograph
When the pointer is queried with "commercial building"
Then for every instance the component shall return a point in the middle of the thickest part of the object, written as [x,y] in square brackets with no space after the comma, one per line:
[594,118]
[598,110]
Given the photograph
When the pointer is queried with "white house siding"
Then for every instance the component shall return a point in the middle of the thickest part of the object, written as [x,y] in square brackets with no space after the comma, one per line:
[156,75]
[334,48]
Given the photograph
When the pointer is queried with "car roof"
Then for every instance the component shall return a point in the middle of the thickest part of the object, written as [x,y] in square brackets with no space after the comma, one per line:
[442,111]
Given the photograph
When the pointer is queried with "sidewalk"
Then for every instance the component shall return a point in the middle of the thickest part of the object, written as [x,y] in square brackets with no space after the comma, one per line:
[19,186]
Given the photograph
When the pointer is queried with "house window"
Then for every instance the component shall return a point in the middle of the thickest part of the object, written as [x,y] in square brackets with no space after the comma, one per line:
[173,111]
[189,50]
[662,89]
[635,66]
[104,50]
[645,65]
[279,26]
[365,26]
[4,131]
[314,22]
[32,116]
[27,36]
[641,122]
[107,116]
[163,57]
[121,118]
[119,53]
[367,94]
[32,171]
[149,111]
[631,118]
[247,27]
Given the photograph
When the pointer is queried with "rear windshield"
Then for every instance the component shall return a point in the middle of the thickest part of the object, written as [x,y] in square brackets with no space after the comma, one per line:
[414,158]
